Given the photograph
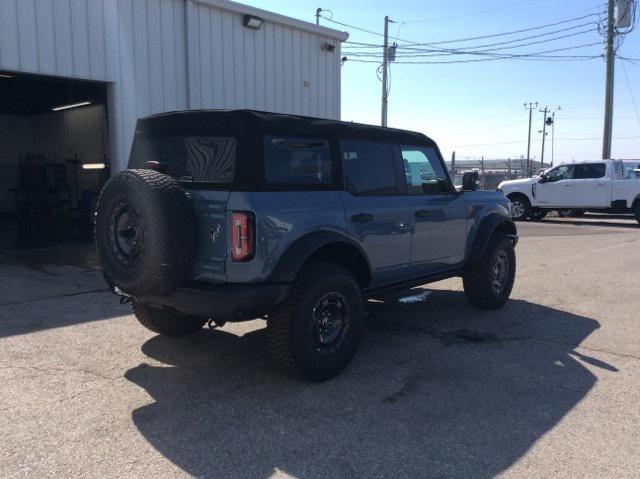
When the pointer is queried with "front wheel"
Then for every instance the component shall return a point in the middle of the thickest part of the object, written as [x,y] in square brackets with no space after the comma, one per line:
[166,321]
[488,283]
[520,207]
[315,332]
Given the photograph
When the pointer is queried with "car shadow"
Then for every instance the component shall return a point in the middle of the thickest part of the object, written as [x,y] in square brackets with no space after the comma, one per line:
[437,389]
[629,222]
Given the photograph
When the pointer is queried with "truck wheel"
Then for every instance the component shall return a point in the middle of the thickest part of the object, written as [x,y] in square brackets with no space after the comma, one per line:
[165,321]
[314,333]
[520,207]
[488,283]
[636,211]
[537,214]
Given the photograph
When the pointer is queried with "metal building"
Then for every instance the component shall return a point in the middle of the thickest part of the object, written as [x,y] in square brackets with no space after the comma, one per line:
[76,74]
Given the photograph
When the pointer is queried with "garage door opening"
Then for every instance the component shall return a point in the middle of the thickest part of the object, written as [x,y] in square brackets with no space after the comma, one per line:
[53,158]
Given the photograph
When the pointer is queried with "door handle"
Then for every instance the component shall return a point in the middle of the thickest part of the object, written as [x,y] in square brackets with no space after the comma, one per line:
[567,185]
[362,218]
[423,213]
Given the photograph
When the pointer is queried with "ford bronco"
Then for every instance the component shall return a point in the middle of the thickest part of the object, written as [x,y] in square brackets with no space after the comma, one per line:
[236,215]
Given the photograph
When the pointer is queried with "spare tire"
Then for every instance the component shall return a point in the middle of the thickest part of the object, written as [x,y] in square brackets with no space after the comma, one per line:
[145,232]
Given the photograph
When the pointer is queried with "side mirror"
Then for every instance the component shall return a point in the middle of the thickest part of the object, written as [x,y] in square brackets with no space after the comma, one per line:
[543,179]
[470,181]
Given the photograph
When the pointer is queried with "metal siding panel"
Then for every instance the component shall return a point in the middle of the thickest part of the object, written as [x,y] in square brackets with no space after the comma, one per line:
[80,38]
[279,68]
[9,41]
[204,58]
[228,60]
[64,38]
[249,61]
[288,63]
[141,54]
[180,47]
[314,88]
[306,75]
[169,71]
[156,70]
[238,60]
[27,40]
[260,70]
[97,50]
[217,60]
[46,36]
[269,66]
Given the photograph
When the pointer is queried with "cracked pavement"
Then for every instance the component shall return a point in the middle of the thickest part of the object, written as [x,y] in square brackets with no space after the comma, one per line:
[548,386]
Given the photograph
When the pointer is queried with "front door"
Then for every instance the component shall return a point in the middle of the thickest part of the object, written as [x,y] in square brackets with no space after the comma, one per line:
[557,190]
[439,213]
[378,214]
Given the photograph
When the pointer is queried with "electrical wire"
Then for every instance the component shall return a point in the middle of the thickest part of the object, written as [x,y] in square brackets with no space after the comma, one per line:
[633,99]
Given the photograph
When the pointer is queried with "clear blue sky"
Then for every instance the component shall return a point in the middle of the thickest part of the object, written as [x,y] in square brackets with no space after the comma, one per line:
[477,108]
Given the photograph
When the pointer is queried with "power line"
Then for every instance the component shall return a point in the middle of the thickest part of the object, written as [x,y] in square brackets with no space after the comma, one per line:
[633,99]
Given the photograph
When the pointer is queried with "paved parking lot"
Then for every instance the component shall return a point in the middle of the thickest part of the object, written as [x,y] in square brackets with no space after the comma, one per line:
[549,386]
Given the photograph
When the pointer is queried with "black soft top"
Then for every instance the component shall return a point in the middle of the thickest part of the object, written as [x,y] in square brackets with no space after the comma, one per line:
[253,122]
[250,126]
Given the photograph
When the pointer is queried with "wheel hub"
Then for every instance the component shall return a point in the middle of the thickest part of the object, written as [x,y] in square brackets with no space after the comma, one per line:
[126,234]
[330,316]
[517,209]
[500,272]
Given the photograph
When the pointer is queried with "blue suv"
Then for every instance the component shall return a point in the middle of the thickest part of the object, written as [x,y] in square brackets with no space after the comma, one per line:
[236,215]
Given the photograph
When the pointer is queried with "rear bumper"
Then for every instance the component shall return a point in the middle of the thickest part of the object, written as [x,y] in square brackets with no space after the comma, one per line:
[226,302]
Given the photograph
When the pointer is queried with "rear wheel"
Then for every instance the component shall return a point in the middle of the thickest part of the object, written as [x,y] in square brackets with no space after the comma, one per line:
[520,206]
[636,211]
[488,283]
[166,321]
[315,332]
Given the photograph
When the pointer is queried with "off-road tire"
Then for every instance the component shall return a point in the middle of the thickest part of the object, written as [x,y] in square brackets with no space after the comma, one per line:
[290,328]
[145,232]
[521,199]
[166,321]
[479,279]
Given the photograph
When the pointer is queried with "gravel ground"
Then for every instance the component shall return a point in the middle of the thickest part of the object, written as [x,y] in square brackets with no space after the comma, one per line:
[548,386]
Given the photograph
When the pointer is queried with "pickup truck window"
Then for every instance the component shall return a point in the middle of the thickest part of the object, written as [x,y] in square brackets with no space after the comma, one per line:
[563,172]
[423,171]
[589,171]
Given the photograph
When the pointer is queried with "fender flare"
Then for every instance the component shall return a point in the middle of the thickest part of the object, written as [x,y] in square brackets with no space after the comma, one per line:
[485,231]
[297,254]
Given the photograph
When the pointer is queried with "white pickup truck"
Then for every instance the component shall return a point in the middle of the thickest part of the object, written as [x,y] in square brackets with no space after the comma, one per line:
[603,185]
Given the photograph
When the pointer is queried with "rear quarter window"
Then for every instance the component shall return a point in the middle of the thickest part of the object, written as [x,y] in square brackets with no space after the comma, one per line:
[189,158]
[297,161]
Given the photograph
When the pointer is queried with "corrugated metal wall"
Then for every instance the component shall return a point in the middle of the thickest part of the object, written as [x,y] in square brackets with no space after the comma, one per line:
[163,55]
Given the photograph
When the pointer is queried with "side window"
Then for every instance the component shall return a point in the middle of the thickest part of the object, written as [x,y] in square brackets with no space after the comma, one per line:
[369,168]
[589,171]
[564,172]
[423,171]
[297,161]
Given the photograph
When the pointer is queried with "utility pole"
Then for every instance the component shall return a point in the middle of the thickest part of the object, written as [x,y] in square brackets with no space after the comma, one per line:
[318,12]
[531,107]
[544,134]
[553,132]
[608,98]
[385,65]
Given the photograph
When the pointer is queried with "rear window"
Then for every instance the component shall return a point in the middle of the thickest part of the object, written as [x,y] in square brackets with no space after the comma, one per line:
[188,158]
[369,168]
[297,161]
[589,171]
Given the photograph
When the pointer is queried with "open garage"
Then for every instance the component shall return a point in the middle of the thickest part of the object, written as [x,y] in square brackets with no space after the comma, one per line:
[54,158]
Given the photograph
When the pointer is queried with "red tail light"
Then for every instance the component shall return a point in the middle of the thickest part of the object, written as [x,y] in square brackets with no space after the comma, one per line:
[242,236]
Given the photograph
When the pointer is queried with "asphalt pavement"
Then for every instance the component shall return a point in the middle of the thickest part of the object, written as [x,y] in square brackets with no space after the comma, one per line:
[548,386]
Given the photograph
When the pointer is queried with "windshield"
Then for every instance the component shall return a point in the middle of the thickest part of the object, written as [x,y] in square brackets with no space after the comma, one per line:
[188,158]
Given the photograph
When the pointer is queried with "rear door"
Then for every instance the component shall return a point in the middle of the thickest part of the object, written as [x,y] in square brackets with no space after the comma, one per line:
[591,187]
[439,212]
[377,212]
[557,190]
